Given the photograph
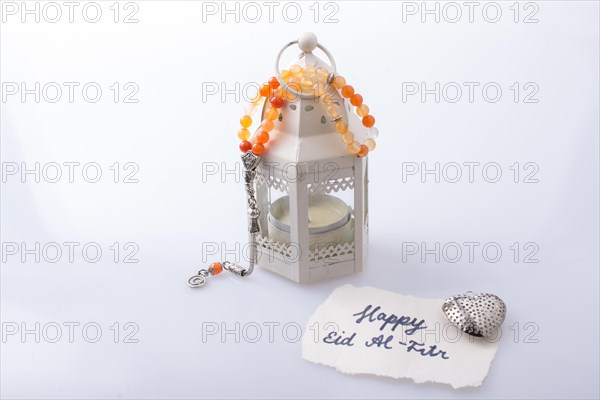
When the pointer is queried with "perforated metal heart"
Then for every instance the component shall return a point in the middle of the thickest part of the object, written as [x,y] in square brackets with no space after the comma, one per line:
[476,314]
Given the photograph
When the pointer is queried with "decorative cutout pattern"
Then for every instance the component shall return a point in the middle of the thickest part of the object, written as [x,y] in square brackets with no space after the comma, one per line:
[326,253]
[273,182]
[273,247]
[323,255]
[334,185]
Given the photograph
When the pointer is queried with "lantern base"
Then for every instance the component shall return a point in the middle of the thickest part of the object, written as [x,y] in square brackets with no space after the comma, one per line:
[314,274]
[323,263]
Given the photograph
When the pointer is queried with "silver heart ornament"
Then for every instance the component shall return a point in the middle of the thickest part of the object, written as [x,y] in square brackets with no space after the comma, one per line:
[476,314]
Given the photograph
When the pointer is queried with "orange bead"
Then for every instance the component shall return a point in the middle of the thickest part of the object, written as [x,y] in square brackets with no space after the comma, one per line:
[246,121]
[262,137]
[258,149]
[276,101]
[265,91]
[272,114]
[347,91]
[354,147]
[285,75]
[338,82]
[245,146]
[306,84]
[274,83]
[267,125]
[243,134]
[348,137]
[364,150]
[333,111]
[368,121]
[356,100]
[362,110]
[341,126]
[216,268]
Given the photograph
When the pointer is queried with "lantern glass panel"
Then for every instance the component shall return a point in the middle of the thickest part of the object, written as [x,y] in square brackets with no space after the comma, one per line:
[331,218]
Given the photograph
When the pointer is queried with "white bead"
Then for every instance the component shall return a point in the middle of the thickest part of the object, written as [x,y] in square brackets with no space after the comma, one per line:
[373,132]
[307,42]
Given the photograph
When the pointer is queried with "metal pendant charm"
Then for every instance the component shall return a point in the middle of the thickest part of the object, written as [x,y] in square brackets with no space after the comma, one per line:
[198,280]
[476,314]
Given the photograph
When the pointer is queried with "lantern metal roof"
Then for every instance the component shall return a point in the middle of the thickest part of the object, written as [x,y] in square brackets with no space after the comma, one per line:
[305,133]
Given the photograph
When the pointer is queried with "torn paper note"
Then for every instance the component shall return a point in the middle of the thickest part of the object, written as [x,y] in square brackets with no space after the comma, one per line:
[371,331]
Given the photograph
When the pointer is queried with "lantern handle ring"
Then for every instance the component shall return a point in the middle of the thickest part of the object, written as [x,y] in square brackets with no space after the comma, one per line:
[315,45]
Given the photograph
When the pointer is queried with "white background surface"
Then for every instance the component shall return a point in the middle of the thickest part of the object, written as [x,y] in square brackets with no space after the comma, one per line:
[172,134]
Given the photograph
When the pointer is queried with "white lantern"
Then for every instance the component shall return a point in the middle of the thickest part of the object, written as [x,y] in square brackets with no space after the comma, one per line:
[307,190]
[311,193]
